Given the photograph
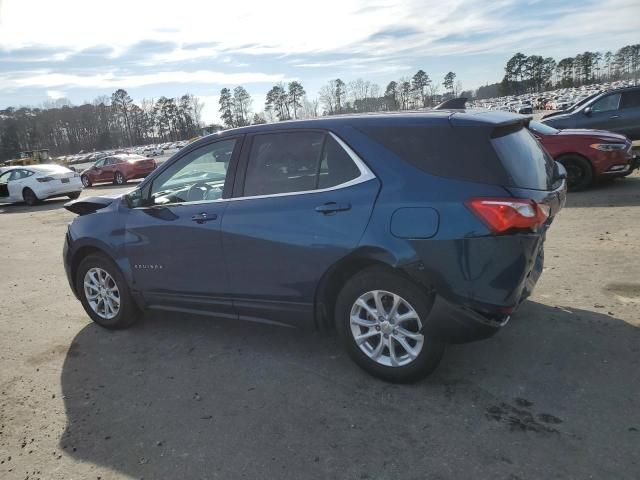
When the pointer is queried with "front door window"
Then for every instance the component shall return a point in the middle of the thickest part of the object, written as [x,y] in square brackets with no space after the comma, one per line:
[198,176]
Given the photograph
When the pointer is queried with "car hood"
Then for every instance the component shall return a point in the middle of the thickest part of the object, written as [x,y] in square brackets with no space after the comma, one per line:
[585,132]
[559,114]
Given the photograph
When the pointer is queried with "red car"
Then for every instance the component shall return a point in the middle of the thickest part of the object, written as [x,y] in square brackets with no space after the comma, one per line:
[587,155]
[118,169]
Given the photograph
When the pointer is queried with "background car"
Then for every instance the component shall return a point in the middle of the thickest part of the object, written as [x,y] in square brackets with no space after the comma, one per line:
[399,250]
[587,155]
[614,110]
[152,151]
[118,169]
[33,183]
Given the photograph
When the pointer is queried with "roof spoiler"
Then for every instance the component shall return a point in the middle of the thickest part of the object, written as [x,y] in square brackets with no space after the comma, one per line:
[510,127]
[458,103]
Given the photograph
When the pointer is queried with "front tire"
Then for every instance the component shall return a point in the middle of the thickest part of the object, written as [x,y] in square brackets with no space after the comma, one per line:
[29,197]
[74,195]
[104,293]
[579,172]
[382,321]
[85,181]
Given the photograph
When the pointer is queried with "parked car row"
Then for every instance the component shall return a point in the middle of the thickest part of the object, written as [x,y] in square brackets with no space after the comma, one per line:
[82,161]
[34,183]
[559,99]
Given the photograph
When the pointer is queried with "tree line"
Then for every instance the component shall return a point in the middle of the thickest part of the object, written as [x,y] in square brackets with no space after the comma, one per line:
[535,74]
[289,101]
[106,123]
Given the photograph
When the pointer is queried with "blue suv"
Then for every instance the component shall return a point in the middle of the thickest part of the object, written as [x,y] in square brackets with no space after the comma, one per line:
[401,231]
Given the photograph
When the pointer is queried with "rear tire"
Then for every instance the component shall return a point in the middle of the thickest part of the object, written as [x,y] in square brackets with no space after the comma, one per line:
[74,195]
[579,172]
[119,179]
[29,197]
[109,307]
[410,350]
[85,181]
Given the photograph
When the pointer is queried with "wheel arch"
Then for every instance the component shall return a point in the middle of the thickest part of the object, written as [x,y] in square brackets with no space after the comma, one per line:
[78,256]
[568,155]
[340,272]
[24,189]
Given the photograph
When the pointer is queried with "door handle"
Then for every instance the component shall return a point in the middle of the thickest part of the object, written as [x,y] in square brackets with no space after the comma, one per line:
[333,207]
[204,217]
[614,116]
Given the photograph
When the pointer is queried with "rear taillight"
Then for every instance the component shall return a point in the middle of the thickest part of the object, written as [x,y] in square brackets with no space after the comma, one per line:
[44,179]
[504,214]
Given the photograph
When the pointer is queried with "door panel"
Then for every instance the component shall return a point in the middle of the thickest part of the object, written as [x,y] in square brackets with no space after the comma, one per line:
[278,248]
[174,244]
[177,260]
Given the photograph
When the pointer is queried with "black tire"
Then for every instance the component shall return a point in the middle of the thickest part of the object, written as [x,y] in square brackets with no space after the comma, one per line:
[579,172]
[74,195]
[128,312]
[382,278]
[119,178]
[85,181]
[29,197]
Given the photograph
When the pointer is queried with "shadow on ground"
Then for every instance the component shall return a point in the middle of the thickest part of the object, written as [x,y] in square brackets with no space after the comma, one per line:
[52,204]
[620,192]
[555,395]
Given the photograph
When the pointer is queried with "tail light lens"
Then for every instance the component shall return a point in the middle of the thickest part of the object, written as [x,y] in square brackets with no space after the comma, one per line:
[44,179]
[504,214]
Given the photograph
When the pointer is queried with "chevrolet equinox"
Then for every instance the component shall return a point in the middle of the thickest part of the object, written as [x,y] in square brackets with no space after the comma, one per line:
[401,231]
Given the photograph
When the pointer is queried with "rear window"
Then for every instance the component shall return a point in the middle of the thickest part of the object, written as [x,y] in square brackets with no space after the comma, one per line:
[528,164]
[469,153]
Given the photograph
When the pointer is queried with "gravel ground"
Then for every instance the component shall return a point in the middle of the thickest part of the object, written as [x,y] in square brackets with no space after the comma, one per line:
[555,395]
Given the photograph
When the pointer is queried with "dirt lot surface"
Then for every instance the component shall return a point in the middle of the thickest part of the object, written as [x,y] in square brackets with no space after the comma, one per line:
[555,395]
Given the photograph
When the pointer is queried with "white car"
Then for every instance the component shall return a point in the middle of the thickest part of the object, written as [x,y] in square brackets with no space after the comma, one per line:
[152,151]
[32,183]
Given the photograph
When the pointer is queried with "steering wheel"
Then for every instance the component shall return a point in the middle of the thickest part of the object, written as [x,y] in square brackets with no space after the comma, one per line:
[198,191]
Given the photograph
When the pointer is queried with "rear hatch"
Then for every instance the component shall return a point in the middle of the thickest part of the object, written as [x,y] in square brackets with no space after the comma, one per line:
[531,171]
[58,176]
[513,158]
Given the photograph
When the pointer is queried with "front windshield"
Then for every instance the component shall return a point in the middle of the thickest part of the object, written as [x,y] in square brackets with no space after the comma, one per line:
[542,128]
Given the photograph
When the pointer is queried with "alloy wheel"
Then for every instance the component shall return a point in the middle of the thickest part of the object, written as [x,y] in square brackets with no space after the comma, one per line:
[386,328]
[101,292]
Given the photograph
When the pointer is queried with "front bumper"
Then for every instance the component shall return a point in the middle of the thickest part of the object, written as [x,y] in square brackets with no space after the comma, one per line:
[66,261]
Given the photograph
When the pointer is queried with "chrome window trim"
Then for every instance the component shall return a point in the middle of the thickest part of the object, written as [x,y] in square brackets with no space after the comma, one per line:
[365,175]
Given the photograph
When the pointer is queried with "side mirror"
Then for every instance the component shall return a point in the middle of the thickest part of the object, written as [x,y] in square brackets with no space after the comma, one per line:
[134,199]
[587,111]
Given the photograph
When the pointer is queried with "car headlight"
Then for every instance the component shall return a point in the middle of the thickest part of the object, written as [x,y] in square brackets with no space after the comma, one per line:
[608,147]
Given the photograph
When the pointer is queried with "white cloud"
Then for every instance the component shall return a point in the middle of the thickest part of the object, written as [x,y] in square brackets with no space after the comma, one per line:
[49,79]
[55,94]
[256,26]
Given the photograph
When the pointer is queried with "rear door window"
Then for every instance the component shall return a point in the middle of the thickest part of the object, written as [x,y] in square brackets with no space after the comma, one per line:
[630,99]
[607,104]
[288,162]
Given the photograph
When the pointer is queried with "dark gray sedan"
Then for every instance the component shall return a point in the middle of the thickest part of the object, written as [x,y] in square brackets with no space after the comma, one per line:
[615,110]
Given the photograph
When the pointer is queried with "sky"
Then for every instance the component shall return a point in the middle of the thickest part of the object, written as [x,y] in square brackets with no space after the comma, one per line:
[82,49]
